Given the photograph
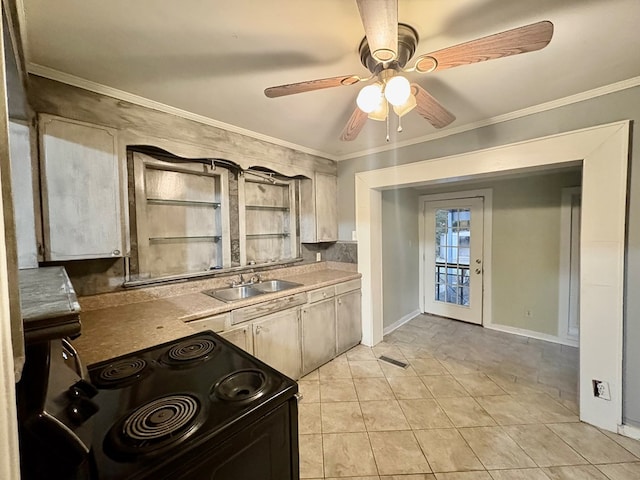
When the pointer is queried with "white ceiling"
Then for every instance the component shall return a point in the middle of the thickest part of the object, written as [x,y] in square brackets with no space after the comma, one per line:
[215,58]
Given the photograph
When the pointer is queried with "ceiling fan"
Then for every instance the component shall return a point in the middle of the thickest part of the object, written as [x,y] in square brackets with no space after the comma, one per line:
[387,48]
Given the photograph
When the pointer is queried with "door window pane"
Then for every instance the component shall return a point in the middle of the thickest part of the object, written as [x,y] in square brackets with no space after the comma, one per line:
[453,237]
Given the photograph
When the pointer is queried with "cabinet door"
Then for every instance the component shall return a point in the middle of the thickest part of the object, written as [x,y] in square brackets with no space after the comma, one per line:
[276,341]
[348,320]
[319,209]
[318,334]
[241,337]
[22,190]
[81,196]
[326,208]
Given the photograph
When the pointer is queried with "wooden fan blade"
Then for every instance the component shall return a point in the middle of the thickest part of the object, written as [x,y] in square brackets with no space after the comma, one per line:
[354,125]
[300,87]
[380,20]
[430,108]
[512,42]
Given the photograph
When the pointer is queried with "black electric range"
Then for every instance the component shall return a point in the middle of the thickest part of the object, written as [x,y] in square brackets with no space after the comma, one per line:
[197,408]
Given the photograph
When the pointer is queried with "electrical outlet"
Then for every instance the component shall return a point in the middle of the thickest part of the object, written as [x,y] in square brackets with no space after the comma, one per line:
[318,256]
[528,313]
[601,390]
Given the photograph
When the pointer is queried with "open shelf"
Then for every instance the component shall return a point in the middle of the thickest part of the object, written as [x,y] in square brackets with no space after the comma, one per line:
[267,207]
[162,201]
[268,235]
[213,238]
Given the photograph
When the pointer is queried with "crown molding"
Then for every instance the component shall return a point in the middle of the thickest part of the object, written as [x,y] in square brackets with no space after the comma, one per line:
[543,107]
[79,82]
[95,87]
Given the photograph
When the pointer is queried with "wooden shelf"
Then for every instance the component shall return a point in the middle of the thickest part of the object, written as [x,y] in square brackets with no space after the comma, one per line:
[162,201]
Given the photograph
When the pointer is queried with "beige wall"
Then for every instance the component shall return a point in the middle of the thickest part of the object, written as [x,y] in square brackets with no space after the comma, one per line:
[525,249]
[400,247]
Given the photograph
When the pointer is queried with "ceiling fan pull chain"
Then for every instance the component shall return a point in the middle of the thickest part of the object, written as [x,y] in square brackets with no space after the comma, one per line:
[399,124]
[387,128]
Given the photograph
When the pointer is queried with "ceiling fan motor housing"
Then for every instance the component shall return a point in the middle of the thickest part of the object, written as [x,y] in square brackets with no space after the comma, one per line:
[407,41]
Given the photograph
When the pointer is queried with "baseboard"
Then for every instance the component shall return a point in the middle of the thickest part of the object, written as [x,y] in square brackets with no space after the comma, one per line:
[531,334]
[629,431]
[398,323]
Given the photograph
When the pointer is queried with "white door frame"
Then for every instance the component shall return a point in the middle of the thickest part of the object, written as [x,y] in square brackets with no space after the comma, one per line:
[487,194]
[604,153]
[564,294]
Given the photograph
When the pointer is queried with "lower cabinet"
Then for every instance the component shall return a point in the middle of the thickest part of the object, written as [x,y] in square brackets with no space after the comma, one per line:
[298,339]
[318,334]
[241,337]
[276,341]
[348,320]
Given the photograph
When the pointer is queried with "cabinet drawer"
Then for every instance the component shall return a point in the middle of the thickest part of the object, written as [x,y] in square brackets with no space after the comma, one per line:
[347,286]
[216,323]
[265,308]
[322,294]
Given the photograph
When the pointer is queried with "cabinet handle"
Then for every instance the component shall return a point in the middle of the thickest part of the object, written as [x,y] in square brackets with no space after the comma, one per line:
[339,301]
[324,294]
[258,329]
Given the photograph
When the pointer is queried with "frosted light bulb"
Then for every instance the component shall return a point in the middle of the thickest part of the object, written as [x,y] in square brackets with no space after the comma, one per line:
[370,98]
[397,90]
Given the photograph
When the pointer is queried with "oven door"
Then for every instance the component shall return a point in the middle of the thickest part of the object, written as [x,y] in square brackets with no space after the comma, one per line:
[54,412]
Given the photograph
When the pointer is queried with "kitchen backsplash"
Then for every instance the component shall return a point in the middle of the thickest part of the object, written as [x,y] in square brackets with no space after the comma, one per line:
[91,277]
[344,252]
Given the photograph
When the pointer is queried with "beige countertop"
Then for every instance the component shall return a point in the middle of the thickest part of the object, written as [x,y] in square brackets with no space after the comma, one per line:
[117,330]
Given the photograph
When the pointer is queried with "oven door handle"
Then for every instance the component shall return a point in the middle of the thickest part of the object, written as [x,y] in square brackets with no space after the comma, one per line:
[71,351]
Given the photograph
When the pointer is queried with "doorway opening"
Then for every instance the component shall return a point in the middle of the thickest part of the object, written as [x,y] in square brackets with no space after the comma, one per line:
[603,151]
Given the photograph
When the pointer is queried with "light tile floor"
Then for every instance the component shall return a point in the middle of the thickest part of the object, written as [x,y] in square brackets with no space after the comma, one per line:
[473,404]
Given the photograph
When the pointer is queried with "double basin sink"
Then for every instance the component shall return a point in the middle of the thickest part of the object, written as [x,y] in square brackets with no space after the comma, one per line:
[240,292]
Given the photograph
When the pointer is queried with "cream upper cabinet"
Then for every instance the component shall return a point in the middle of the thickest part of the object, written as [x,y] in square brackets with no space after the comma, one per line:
[81,190]
[319,209]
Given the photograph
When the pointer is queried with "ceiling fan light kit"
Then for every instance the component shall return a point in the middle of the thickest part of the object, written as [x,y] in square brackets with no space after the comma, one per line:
[387,48]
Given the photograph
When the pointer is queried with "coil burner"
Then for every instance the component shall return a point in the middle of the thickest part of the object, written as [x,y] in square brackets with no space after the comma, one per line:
[122,373]
[155,425]
[189,352]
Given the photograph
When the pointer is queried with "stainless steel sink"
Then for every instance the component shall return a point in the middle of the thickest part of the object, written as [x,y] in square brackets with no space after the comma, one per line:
[233,294]
[275,285]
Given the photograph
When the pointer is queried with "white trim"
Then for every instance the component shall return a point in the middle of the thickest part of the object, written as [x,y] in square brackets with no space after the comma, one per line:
[487,282]
[53,74]
[564,293]
[542,107]
[604,151]
[401,321]
[629,431]
[79,82]
[523,332]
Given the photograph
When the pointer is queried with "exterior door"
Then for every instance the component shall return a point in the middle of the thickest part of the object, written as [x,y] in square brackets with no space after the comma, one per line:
[453,258]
